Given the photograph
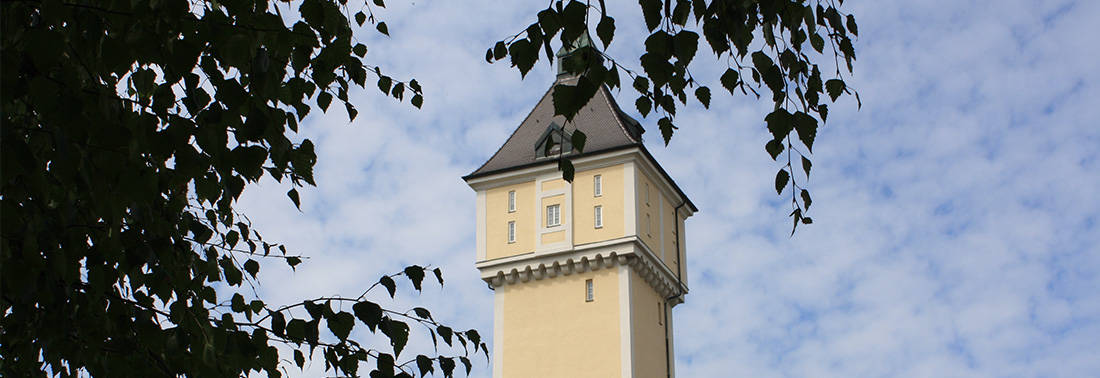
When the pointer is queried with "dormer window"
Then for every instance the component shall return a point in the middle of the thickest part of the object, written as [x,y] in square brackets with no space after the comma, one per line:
[554,141]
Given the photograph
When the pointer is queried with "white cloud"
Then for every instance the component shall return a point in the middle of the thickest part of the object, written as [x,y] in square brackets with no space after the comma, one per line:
[955,214]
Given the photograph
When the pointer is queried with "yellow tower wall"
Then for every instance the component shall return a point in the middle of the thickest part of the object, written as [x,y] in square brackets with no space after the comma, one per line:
[497,217]
[657,223]
[648,215]
[549,330]
[611,200]
[648,330]
[669,229]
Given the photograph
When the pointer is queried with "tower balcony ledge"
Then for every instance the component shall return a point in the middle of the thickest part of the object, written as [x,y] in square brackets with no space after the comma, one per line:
[629,251]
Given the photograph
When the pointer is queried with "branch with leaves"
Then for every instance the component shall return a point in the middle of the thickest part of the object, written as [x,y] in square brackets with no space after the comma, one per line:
[130,131]
[773,45]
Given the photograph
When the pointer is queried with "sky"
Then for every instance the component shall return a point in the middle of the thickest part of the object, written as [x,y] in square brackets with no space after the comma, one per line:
[955,213]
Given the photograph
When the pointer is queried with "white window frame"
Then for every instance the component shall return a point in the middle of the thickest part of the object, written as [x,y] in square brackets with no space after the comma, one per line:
[511,232]
[512,201]
[553,215]
[597,214]
[597,186]
[589,292]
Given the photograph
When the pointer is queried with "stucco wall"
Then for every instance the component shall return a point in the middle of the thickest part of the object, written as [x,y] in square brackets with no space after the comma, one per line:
[549,330]
[648,329]
[610,199]
[497,217]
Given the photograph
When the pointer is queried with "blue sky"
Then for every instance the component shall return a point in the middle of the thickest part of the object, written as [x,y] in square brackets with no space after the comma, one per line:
[956,213]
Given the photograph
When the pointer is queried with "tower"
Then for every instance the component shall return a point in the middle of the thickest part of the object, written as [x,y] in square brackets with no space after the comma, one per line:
[584,274]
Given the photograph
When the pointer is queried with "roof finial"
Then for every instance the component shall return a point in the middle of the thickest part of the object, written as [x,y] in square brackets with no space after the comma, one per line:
[568,52]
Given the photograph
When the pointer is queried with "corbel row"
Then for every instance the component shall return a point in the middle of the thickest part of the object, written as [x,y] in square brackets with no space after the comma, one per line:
[559,268]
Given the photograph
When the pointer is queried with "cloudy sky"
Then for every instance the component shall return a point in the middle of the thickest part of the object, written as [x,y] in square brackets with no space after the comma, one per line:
[955,214]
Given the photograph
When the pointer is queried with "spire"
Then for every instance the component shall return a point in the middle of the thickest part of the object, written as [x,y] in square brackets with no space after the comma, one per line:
[575,54]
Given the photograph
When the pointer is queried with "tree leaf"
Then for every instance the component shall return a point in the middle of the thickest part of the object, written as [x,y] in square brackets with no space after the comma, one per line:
[703,94]
[474,337]
[391,286]
[384,84]
[651,11]
[315,310]
[252,267]
[382,28]
[666,126]
[423,313]
[605,30]
[523,55]
[780,123]
[293,194]
[644,105]
[774,148]
[835,87]
[806,165]
[446,333]
[438,275]
[659,44]
[351,111]
[466,363]
[424,364]
[447,365]
[729,80]
[567,170]
[323,100]
[278,323]
[415,273]
[293,261]
[237,303]
[805,194]
[369,313]
[299,358]
[681,12]
[398,333]
[806,125]
[340,324]
[685,44]
[781,179]
[817,42]
[577,139]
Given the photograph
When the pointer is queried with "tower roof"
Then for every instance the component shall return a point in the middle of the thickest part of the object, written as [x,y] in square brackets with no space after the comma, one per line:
[606,128]
[603,123]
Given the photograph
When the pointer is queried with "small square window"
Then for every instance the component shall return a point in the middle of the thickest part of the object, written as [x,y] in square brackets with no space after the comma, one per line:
[511,201]
[598,213]
[597,186]
[511,231]
[589,294]
[553,215]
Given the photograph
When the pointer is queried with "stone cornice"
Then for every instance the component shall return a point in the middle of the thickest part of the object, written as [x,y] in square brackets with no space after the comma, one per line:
[627,251]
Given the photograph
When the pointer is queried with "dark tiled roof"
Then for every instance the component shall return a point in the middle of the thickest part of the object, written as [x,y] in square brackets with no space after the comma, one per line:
[603,123]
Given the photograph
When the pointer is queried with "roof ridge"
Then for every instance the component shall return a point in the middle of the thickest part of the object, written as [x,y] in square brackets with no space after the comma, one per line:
[529,113]
[614,105]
